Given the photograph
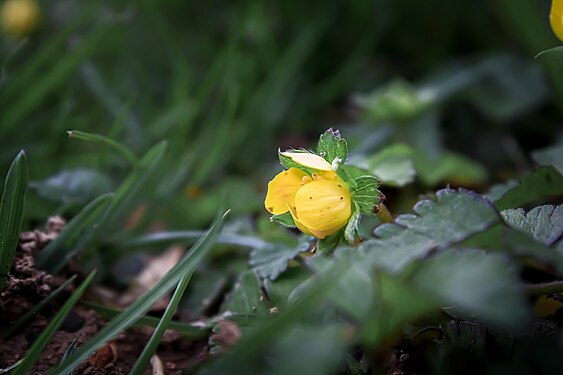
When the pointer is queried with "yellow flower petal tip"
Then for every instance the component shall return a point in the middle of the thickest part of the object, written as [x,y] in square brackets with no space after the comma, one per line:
[308,160]
[19,17]
[282,189]
[556,18]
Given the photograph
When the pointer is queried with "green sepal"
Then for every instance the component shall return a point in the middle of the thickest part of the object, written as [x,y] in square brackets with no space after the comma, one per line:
[284,219]
[327,245]
[349,173]
[351,229]
[331,146]
[288,162]
[365,194]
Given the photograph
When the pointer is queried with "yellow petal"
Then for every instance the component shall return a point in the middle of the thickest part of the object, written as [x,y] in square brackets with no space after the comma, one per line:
[309,160]
[282,189]
[556,18]
[323,206]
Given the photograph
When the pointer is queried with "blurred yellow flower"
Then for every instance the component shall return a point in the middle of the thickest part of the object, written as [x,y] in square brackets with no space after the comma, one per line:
[19,17]
[320,203]
[556,18]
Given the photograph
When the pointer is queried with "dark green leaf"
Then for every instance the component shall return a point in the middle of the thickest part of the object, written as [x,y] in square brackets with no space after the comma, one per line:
[475,283]
[351,230]
[332,146]
[543,183]
[449,167]
[393,165]
[41,342]
[271,260]
[284,219]
[74,236]
[550,156]
[365,194]
[73,185]
[11,213]
[245,297]
[327,245]
[544,223]
[453,216]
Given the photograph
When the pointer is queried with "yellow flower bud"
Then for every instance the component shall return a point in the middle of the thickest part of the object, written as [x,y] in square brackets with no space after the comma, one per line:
[19,17]
[319,204]
[556,18]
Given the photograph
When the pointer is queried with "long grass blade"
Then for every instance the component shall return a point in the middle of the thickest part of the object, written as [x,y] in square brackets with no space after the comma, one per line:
[160,239]
[35,309]
[74,236]
[128,190]
[113,144]
[191,331]
[41,342]
[11,213]
[163,324]
[136,310]
[68,352]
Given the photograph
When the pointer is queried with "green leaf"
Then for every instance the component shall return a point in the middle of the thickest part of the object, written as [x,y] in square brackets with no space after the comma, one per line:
[449,167]
[328,244]
[453,216]
[14,327]
[284,219]
[271,260]
[475,283]
[553,62]
[366,195]
[310,349]
[289,163]
[544,223]
[106,141]
[74,236]
[245,298]
[503,238]
[73,185]
[393,165]
[239,358]
[11,213]
[41,342]
[397,304]
[278,290]
[163,324]
[135,311]
[332,146]
[543,183]
[397,101]
[550,156]
[351,230]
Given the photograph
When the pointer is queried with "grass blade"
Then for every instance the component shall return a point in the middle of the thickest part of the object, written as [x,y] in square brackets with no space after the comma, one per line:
[136,310]
[35,309]
[160,239]
[122,150]
[74,236]
[11,213]
[162,326]
[68,352]
[40,342]
[193,332]
[127,191]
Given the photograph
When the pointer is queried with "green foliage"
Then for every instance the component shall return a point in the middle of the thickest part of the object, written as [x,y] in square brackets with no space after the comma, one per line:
[393,165]
[271,260]
[366,194]
[543,223]
[11,213]
[332,146]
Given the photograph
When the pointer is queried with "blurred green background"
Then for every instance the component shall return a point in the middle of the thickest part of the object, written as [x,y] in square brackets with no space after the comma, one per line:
[227,83]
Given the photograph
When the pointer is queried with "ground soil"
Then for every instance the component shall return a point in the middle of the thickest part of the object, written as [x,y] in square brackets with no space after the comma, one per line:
[27,286]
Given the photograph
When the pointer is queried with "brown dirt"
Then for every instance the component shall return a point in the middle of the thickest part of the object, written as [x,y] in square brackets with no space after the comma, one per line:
[27,286]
